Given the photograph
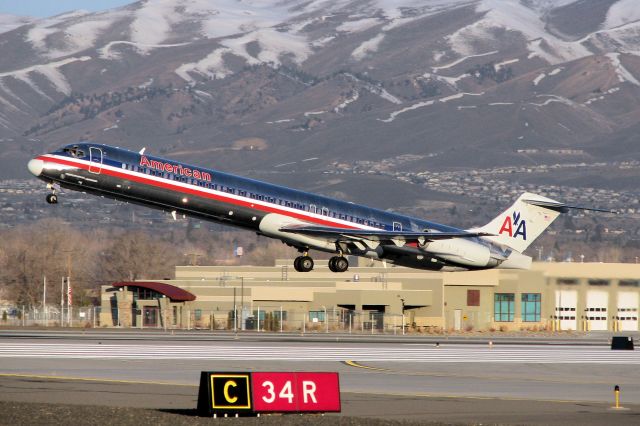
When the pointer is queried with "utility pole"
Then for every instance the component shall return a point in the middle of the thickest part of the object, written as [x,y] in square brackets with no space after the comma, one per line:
[44,299]
[69,297]
[62,302]
[242,302]
[69,302]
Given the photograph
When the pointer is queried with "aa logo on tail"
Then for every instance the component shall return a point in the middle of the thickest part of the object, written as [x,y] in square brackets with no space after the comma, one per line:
[509,224]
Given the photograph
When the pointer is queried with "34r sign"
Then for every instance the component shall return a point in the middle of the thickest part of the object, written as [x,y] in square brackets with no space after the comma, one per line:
[295,392]
[233,393]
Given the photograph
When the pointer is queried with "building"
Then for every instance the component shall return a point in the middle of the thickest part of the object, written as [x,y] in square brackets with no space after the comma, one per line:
[550,296]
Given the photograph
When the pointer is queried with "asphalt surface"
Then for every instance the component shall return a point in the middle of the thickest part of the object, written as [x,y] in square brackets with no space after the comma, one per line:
[95,402]
[118,377]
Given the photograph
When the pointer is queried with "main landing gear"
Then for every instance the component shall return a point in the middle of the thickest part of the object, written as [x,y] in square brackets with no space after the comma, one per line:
[338,264]
[303,263]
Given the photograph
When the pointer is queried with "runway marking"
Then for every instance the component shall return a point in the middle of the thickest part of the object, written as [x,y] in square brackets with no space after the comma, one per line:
[549,379]
[408,394]
[366,367]
[91,379]
[477,397]
[363,353]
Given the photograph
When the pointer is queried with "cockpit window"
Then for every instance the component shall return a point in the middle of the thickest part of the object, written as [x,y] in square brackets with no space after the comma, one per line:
[75,151]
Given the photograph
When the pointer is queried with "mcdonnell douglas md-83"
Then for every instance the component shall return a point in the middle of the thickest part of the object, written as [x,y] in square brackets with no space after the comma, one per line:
[300,219]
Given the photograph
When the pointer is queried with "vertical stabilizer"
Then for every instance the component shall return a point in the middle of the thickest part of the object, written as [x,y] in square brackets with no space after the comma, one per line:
[523,222]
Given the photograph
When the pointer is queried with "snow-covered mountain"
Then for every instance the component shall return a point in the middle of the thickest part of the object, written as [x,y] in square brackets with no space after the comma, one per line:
[460,82]
[10,22]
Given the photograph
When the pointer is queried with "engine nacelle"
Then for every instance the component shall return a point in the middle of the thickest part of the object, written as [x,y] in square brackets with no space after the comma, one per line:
[462,252]
[270,226]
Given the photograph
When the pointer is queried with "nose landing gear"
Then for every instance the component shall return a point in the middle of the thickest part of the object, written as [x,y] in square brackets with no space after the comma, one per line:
[52,198]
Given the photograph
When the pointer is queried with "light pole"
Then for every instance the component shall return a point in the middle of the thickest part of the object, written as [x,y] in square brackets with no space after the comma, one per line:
[402,303]
[231,277]
[326,320]
[242,302]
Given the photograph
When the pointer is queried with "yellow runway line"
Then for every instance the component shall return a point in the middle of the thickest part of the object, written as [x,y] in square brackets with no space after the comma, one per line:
[472,376]
[475,397]
[91,379]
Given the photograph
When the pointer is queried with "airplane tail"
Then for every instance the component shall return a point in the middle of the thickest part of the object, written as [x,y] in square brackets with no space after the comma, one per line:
[524,221]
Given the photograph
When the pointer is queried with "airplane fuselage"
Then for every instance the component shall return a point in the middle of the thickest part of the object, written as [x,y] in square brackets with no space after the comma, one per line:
[254,205]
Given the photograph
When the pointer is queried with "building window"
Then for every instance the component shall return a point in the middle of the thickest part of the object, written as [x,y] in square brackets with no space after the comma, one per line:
[316,316]
[531,307]
[198,314]
[141,293]
[284,315]
[629,283]
[567,281]
[473,297]
[598,282]
[504,307]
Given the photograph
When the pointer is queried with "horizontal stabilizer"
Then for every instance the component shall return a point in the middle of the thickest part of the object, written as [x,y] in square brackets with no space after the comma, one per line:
[344,234]
[563,208]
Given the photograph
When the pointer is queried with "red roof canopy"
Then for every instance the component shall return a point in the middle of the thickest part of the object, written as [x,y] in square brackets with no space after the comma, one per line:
[172,292]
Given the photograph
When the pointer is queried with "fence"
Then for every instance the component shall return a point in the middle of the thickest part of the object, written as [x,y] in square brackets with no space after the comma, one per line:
[257,319]
[87,317]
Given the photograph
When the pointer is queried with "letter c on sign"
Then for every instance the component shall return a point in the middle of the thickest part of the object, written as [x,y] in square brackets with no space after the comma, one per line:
[228,397]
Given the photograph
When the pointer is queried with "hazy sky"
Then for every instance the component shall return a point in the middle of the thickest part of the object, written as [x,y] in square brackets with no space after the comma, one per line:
[44,8]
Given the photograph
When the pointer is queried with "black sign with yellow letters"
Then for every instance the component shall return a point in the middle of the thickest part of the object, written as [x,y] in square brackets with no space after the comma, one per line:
[224,393]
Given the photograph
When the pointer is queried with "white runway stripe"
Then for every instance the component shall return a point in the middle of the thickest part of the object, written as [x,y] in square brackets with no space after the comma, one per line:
[387,353]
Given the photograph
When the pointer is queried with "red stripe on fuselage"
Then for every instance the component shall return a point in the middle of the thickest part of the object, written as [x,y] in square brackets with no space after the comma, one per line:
[194,191]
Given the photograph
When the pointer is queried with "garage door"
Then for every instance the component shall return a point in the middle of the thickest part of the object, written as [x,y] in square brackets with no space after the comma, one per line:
[628,310]
[566,304]
[596,310]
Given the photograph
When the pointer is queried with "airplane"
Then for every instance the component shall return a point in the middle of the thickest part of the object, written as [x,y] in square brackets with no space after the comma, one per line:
[299,219]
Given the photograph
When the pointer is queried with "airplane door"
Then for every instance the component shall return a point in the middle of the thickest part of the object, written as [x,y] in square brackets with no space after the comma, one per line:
[397,226]
[95,159]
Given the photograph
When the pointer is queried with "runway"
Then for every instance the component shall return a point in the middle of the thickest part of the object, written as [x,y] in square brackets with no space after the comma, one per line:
[398,353]
[557,372]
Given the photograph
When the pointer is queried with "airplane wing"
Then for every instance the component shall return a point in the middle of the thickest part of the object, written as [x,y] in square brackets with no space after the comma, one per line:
[343,234]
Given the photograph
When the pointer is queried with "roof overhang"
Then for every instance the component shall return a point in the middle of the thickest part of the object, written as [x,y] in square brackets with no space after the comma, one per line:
[172,292]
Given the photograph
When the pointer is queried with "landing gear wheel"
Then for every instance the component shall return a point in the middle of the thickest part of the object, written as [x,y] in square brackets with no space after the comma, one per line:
[303,264]
[52,199]
[338,264]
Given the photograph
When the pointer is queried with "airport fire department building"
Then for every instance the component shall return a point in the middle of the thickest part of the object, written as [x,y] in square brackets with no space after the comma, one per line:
[551,296]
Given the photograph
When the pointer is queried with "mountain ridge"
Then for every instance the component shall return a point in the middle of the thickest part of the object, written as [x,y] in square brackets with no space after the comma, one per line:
[471,84]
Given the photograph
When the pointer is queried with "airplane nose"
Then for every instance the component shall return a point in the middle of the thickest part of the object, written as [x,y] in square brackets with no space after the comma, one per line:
[35,166]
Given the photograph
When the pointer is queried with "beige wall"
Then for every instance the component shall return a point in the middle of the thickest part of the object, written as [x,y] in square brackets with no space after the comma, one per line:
[431,298]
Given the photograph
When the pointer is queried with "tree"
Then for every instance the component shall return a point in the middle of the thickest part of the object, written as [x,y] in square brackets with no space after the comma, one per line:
[48,248]
[136,255]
